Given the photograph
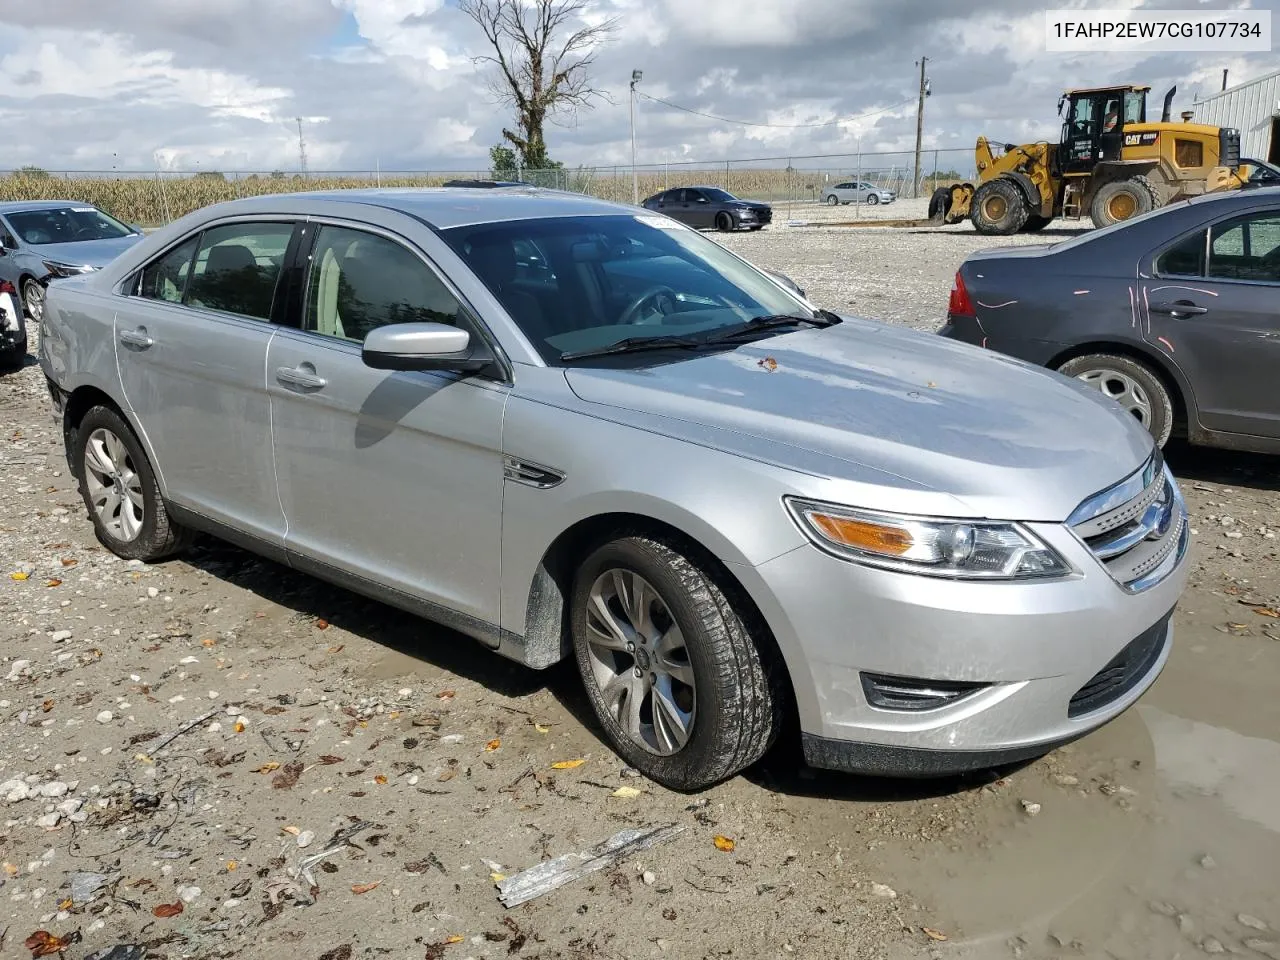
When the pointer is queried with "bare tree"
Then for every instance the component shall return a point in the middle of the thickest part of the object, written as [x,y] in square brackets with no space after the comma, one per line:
[543,51]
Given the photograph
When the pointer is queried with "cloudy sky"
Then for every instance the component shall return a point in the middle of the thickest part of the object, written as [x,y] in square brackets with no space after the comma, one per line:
[216,84]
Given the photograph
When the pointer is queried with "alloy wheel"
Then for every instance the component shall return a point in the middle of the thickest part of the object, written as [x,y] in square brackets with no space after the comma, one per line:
[640,662]
[33,300]
[1123,389]
[115,489]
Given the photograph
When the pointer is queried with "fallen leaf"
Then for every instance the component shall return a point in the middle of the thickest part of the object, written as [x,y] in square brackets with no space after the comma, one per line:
[268,767]
[329,760]
[338,649]
[69,561]
[446,694]
[66,904]
[1267,612]
[626,793]
[492,745]
[456,938]
[380,779]
[342,952]
[497,877]
[567,764]
[292,831]
[166,910]
[239,727]
[19,576]
[935,934]
[208,642]
[42,943]
[322,624]
[723,844]
[287,778]
[932,384]
[447,775]
[47,706]
[232,866]
[768,363]
[11,869]
[54,582]
[361,888]
[542,728]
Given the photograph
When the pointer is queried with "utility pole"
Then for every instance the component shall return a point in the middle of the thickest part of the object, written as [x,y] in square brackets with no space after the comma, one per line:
[302,149]
[915,184]
[636,77]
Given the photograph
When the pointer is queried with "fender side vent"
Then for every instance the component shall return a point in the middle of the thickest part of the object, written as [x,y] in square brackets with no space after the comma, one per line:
[530,474]
[913,694]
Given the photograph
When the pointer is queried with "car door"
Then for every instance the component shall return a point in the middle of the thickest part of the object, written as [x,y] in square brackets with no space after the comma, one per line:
[191,346]
[1214,305]
[698,209]
[394,478]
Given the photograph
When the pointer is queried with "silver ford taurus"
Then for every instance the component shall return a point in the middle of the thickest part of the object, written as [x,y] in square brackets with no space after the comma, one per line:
[569,428]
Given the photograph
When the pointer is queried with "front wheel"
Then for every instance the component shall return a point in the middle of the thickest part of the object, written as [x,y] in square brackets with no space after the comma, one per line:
[724,222]
[1132,384]
[33,299]
[120,490]
[872,200]
[670,667]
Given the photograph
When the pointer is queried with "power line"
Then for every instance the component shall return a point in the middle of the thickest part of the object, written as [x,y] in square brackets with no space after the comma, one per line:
[787,126]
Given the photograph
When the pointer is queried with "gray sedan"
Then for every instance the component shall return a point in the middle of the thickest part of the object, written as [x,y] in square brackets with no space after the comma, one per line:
[574,429]
[1174,315]
[857,191]
[45,240]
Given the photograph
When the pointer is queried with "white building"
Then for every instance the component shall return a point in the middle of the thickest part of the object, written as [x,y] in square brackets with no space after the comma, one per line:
[1253,108]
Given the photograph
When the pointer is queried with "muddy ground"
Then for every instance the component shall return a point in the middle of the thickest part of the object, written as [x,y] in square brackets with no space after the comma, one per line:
[178,741]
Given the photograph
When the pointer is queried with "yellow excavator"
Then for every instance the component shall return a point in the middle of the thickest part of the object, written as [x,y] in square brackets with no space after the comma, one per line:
[1110,164]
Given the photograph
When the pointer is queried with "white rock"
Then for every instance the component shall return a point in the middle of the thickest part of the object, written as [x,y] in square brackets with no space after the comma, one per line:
[880,890]
[187,661]
[18,668]
[648,878]
[70,807]
[54,789]
[152,593]
[306,838]
[49,820]
[61,636]
[14,791]
[1030,807]
[189,894]
[106,716]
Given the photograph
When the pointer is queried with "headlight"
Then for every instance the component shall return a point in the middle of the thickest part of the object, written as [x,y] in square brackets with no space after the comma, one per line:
[935,547]
[66,269]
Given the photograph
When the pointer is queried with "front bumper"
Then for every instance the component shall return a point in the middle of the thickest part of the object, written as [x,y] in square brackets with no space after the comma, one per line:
[1033,651]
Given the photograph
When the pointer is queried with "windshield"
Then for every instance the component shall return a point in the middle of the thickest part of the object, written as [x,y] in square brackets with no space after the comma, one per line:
[580,283]
[66,225]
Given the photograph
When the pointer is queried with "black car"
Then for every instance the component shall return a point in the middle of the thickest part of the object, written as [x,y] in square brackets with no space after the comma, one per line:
[707,207]
[1174,313]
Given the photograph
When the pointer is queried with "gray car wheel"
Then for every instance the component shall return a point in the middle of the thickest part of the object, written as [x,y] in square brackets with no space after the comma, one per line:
[671,669]
[120,490]
[1133,385]
[833,201]
[872,199]
[33,299]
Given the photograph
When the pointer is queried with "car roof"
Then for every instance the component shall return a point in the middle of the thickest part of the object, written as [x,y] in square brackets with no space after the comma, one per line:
[438,207]
[19,206]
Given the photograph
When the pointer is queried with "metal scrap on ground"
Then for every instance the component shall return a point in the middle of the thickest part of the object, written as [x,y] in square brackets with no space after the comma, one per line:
[553,874]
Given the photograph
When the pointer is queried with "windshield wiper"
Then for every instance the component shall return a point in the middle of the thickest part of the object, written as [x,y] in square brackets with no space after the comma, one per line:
[768,322]
[635,344]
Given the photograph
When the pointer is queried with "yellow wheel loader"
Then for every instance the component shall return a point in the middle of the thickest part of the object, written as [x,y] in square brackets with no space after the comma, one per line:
[1110,164]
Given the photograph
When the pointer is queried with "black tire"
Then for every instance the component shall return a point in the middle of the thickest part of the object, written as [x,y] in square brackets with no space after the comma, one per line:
[159,536]
[939,203]
[725,222]
[1123,200]
[1099,367]
[872,199]
[833,201]
[737,709]
[1035,223]
[758,226]
[999,208]
[30,290]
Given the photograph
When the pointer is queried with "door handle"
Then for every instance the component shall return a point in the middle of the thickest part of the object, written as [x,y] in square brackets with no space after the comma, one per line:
[303,377]
[1180,309]
[136,338]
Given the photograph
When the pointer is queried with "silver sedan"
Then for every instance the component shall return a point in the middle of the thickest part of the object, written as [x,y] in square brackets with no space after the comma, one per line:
[857,191]
[572,429]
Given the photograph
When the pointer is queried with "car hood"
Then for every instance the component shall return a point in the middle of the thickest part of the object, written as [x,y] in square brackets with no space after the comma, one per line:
[92,253]
[746,204]
[1000,437]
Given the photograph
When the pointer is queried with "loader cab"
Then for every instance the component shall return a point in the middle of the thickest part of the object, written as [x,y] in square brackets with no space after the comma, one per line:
[1093,125]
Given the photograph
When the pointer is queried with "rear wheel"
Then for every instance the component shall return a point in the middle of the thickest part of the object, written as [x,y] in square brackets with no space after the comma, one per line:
[1123,200]
[939,203]
[670,667]
[999,208]
[724,222]
[120,490]
[1132,384]
[833,201]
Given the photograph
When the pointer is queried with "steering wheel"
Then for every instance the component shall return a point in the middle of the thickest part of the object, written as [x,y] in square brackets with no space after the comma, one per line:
[664,299]
[82,231]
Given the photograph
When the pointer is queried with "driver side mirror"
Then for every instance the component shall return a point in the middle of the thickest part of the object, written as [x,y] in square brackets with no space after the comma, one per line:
[422,346]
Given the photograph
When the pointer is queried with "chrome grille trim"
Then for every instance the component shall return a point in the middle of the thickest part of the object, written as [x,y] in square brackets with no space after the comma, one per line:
[1138,529]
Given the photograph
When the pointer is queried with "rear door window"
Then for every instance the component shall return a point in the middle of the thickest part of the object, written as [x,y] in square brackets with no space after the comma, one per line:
[238,267]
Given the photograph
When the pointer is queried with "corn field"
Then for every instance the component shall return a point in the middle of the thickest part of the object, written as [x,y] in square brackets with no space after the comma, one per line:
[151,200]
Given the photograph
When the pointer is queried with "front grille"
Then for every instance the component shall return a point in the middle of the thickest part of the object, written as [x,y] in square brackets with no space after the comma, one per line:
[1137,529]
[765,215]
[1123,673]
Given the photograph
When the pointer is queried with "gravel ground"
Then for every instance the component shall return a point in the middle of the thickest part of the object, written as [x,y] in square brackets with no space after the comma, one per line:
[217,757]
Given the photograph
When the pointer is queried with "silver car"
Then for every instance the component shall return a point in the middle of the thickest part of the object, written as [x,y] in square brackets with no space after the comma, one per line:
[857,191]
[571,429]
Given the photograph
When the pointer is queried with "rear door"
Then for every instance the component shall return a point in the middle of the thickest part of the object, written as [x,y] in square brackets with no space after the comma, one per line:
[191,345]
[1213,305]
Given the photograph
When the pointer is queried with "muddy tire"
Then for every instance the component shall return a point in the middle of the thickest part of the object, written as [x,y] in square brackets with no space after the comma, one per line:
[120,490]
[1035,223]
[1123,200]
[999,209]
[680,686]
[939,203]
[1132,384]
